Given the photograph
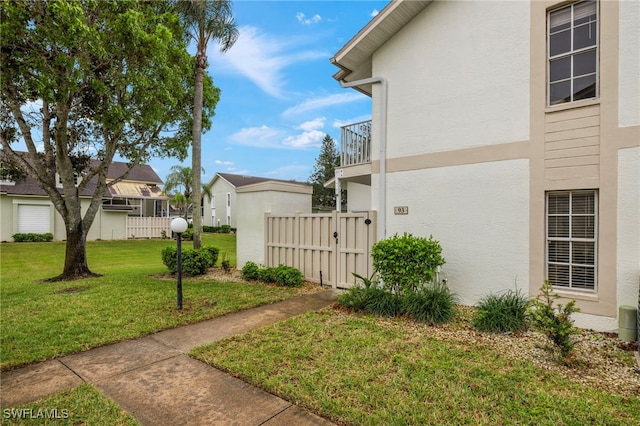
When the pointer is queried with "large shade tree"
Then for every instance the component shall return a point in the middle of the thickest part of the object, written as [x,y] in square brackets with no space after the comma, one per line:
[205,20]
[92,80]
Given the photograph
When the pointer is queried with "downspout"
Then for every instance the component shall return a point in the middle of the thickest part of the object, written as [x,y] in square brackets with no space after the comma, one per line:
[382,214]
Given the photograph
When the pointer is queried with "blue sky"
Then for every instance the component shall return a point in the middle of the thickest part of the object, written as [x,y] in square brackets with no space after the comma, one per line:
[278,98]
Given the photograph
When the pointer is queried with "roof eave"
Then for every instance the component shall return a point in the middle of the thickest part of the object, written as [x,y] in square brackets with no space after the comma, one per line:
[354,58]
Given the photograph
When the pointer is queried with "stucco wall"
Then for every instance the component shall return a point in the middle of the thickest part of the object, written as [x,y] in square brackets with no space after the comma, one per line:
[480,215]
[358,196]
[629,63]
[106,226]
[251,207]
[220,188]
[458,77]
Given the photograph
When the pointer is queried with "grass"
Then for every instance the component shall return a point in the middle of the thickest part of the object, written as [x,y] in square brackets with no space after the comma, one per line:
[79,405]
[363,370]
[134,297]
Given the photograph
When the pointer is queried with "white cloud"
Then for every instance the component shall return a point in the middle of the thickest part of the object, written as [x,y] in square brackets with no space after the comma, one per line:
[324,102]
[223,163]
[374,13]
[315,124]
[263,136]
[310,139]
[308,21]
[262,58]
[299,173]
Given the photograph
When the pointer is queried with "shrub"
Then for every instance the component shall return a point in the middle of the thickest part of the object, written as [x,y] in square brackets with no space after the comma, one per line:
[355,297]
[555,323]
[213,252]
[250,271]
[225,229]
[225,264]
[288,276]
[267,275]
[405,262]
[208,229]
[32,238]
[379,302]
[432,303]
[194,262]
[503,312]
[170,258]
[188,234]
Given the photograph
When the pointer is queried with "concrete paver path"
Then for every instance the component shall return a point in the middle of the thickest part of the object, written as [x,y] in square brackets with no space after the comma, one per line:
[154,380]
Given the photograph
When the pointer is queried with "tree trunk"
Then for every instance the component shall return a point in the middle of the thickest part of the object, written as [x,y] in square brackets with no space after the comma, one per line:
[196,154]
[75,259]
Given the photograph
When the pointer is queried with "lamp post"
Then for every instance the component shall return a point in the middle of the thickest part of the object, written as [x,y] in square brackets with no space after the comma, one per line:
[179,225]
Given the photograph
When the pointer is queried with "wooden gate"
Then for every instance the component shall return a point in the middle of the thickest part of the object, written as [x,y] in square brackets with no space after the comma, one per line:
[328,248]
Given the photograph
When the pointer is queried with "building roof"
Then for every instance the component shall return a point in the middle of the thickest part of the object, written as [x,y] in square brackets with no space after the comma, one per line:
[239,181]
[354,58]
[141,183]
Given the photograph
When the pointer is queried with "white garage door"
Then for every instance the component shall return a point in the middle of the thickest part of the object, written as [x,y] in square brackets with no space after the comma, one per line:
[35,218]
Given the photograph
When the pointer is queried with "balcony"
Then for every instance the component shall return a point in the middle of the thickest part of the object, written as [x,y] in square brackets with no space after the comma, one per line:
[355,144]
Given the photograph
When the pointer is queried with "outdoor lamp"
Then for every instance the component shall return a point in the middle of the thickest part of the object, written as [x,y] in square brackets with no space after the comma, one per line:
[179,225]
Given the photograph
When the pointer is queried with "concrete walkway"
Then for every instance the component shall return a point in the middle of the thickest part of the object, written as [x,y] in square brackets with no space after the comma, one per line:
[153,380]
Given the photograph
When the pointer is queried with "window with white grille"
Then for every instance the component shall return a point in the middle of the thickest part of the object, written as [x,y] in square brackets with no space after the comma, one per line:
[572,45]
[572,229]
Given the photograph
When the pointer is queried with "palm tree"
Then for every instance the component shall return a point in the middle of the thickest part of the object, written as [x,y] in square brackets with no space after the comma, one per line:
[205,20]
[180,185]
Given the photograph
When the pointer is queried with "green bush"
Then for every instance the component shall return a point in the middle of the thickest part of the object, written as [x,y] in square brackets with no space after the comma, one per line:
[250,271]
[225,229]
[213,252]
[32,238]
[194,262]
[170,258]
[288,276]
[209,229]
[555,323]
[432,303]
[267,275]
[188,234]
[406,262]
[504,312]
[379,302]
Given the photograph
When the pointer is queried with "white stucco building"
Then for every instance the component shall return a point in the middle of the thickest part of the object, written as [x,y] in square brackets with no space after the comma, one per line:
[510,131]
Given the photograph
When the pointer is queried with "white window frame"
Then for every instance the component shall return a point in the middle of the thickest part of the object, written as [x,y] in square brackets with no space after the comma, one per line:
[213,201]
[571,240]
[76,180]
[572,53]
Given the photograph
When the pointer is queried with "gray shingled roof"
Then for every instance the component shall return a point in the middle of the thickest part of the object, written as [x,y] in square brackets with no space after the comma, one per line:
[141,173]
[239,181]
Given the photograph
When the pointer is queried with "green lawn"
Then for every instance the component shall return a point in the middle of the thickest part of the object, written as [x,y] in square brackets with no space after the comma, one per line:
[41,320]
[361,370]
[82,405]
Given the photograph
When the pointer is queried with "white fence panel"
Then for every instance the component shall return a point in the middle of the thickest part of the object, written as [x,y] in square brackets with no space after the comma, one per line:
[148,227]
[327,248]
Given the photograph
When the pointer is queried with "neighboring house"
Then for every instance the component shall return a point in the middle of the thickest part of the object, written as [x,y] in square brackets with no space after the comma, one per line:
[510,131]
[26,208]
[221,208]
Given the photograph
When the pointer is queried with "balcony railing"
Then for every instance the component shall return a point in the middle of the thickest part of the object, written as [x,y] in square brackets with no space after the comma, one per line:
[355,144]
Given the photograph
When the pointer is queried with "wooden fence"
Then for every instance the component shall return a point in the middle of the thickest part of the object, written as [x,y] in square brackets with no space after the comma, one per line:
[327,248]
